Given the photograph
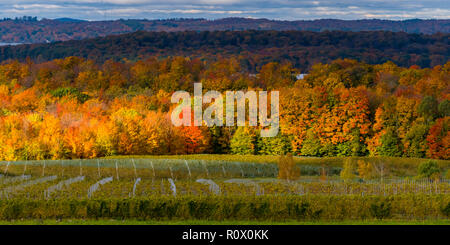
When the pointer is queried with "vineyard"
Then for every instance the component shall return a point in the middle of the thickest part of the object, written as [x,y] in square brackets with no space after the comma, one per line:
[157,188]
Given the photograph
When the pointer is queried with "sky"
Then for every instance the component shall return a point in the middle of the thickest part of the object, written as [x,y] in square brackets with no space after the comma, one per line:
[214,9]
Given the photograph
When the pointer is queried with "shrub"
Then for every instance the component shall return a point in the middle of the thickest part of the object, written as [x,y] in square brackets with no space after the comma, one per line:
[380,210]
[446,210]
[428,169]
[270,207]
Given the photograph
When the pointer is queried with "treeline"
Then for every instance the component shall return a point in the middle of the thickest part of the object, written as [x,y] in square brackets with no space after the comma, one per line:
[29,30]
[75,108]
[23,19]
[255,48]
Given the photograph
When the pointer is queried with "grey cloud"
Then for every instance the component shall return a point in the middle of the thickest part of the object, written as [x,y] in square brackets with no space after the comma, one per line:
[211,9]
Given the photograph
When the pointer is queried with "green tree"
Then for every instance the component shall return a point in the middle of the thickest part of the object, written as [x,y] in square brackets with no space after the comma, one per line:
[220,139]
[244,141]
[390,144]
[348,172]
[444,108]
[415,140]
[428,108]
[311,145]
[354,147]
[277,145]
[428,169]
[357,146]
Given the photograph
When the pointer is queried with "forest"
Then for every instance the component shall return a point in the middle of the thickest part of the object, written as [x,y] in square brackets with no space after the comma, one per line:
[29,29]
[254,48]
[75,108]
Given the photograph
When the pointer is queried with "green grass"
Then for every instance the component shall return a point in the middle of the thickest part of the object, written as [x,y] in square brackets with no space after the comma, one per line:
[330,161]
[206,222]
[396,166]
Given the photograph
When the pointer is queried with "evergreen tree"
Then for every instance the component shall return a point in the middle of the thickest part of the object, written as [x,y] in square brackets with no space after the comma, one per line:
[390,144]
[415,140]
[444,108]
[311,145]
[244,141]
[277,145]
[428,108]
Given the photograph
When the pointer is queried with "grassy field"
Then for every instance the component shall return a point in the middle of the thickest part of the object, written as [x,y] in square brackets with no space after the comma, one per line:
[395,166]
[206,222]
[398,165]
[207,189]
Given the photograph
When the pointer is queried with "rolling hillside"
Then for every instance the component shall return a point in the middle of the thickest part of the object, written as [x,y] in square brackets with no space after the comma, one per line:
[31,30]
[301,48]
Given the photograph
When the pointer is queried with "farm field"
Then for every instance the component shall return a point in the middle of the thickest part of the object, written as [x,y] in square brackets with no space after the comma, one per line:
[232,222]
[212,189]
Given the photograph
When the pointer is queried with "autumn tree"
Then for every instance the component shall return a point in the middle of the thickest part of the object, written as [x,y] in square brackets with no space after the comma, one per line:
[287,169]
[438,139]
[244,141]
[278,145]
[365,170]
[348,171]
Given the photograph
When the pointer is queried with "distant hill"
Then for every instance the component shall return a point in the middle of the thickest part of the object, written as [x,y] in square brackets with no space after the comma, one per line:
[31,30]
[69,20]
[301,48]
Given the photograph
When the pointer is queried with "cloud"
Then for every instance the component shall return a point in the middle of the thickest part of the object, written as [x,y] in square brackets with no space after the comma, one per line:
[37,6]
[271,9]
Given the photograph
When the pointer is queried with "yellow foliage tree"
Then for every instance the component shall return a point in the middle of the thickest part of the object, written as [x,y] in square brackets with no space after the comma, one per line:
[50,137]
[287,169]
[348,172]
[365,170]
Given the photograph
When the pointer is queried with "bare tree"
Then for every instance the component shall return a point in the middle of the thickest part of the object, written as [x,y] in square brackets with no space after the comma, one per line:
[380,168]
